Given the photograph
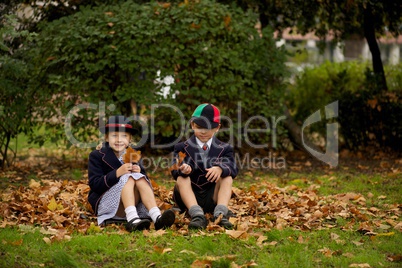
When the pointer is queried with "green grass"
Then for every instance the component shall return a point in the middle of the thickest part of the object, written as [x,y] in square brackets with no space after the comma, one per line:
[25,147]
[22,141]
[388,185]
[20,248]
[340,181]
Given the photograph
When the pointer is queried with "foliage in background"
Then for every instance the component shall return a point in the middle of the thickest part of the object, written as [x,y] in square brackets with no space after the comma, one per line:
[16,97]
[113,53]
[339,20]
[366,116]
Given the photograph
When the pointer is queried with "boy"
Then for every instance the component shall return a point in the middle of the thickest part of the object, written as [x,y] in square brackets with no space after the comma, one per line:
[204,179]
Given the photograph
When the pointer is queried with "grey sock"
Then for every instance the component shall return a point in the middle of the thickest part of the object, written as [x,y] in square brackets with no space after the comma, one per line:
[195,210]
[220,209]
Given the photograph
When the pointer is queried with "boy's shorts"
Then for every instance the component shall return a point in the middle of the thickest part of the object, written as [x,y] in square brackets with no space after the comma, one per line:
[205,199]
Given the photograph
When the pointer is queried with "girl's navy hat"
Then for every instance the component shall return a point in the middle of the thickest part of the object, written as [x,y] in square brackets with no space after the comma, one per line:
[207,116]
[118,123]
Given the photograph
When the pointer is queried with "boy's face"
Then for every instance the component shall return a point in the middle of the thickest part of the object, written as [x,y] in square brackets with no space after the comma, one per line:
[118,141]
[203,134]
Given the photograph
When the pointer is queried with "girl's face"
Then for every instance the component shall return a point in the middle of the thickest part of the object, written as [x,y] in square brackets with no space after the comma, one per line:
[203,134]
[118,141]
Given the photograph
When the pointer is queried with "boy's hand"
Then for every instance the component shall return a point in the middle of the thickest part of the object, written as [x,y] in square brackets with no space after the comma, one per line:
[185,169]
[213,174]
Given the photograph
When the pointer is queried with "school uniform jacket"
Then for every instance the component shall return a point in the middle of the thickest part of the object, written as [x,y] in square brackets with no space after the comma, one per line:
[102,166]
[220,154]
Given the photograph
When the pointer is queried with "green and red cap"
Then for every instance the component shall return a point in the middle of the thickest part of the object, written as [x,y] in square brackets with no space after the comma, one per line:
[207,116]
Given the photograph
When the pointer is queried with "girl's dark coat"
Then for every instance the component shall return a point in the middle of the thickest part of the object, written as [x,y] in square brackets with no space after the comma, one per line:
[102,166]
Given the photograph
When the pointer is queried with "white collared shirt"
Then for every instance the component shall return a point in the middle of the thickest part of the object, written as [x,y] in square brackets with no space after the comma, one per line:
[201,144]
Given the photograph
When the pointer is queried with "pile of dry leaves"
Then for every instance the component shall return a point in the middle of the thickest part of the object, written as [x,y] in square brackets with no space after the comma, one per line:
[63,206]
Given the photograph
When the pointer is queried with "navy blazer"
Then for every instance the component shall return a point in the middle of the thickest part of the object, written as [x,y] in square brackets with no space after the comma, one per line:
[220,154]
[102,166]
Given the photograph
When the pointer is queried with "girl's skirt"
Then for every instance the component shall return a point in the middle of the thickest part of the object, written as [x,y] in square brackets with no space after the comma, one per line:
[110,201]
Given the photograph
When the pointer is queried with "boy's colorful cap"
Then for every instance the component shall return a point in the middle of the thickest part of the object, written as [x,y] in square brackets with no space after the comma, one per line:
[118,123]
[207,116]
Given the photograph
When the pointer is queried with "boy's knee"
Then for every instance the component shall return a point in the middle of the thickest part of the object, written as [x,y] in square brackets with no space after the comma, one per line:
[225,182]
[183,181]
[227,179]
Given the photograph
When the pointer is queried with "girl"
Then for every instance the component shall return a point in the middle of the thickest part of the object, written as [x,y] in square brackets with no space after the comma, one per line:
[121,190]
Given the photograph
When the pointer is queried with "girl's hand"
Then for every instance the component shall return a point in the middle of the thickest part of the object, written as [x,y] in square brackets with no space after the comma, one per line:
[136,168]
[124,169]
[185,169]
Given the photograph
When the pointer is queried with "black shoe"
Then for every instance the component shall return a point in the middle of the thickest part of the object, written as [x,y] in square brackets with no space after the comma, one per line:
[225,223]
[198,222]
[165,220]
[138,226]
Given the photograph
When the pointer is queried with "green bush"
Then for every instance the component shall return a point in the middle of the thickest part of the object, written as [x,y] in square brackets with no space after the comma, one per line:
[16,97]
[367,115]
[112,53]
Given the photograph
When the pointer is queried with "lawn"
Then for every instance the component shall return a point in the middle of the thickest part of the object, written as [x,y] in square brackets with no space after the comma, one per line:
[305,216]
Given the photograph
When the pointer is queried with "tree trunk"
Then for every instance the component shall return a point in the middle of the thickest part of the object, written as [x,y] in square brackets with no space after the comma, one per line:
[294,130]
[369,34]
[295,134]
